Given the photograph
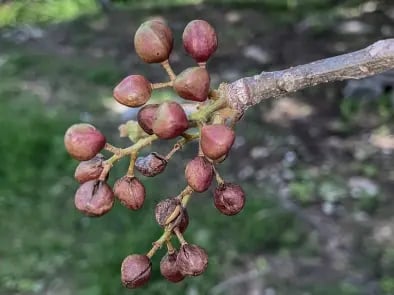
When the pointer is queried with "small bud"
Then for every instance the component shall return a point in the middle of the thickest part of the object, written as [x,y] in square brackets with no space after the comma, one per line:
[146,116]
[191,260]
[169,269]
[164,210]
[83,141]
[133,91]
[216,140]
[89,170]
[136,271]
[94,198]
[153,41]
[199,40]
[199,174]
[170,121]
[151,165]
[229,198]
[193,84]
[130,192]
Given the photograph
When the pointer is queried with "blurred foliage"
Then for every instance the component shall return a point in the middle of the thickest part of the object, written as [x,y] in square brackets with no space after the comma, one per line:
[44,11]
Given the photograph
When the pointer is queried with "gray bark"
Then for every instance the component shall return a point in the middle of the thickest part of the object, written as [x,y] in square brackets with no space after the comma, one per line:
[248,91]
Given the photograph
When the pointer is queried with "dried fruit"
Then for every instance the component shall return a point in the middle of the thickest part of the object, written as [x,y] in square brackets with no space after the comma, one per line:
[136,271]
[146,116]
[216,140]
[193,84]
[83,141]
[170,121]
[153,41]
[130,192]
[94,198]
[191,260]
[151,165]
[89,170]
[229,198]
[200,40]
[169,269]
[165,208]
[133,91]
[199,174]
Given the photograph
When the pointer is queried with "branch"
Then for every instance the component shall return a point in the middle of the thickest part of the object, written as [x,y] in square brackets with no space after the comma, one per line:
[248,91]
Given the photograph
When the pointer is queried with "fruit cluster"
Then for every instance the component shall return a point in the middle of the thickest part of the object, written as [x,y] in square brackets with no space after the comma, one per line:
[214,122]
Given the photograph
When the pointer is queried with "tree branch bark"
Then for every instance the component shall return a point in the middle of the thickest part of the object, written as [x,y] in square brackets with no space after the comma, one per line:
[248,91]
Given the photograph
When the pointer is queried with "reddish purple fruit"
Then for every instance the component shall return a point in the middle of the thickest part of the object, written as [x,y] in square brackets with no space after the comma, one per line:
[133,91]
[153,41]
[199,40]
[151,165]
[146,116]
[229,198]
[94,198]
[89,170]
[169,269]
[170,121]
[83,141]
[216,140]
[193,84]
[191,260]
[130,192]
[136,271]
[164,210]
[199,174]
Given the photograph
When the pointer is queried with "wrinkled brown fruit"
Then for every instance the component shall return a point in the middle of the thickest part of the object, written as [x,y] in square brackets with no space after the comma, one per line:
[191,260]
[193,84]
[170,121]
[165,208]
[216,140]
[229,198]
[153,41]
[151,165]
[94,198]
[169,269]
[89,170]
[200,40]
[146,116]
[136,271]
[133,91]
[83,141]
[199,174]
[130,192]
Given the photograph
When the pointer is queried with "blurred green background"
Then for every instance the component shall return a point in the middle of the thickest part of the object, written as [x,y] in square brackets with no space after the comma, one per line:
[316,166]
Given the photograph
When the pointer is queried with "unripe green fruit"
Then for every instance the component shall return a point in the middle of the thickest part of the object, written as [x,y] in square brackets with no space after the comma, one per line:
[170,121]
[216,140]
[153,41]
[200,40]
[133,91]
[83,141]
[94,198]
[146,116]
[193,84]
[130,192]
[136,271]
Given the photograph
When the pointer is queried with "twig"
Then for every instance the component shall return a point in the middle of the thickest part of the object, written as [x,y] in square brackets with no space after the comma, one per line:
[248,91]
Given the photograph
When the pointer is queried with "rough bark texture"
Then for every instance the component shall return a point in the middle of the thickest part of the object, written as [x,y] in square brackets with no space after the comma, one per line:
[248,91]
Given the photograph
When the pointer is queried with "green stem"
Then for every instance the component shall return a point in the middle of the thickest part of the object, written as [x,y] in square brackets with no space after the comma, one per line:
[204,113]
